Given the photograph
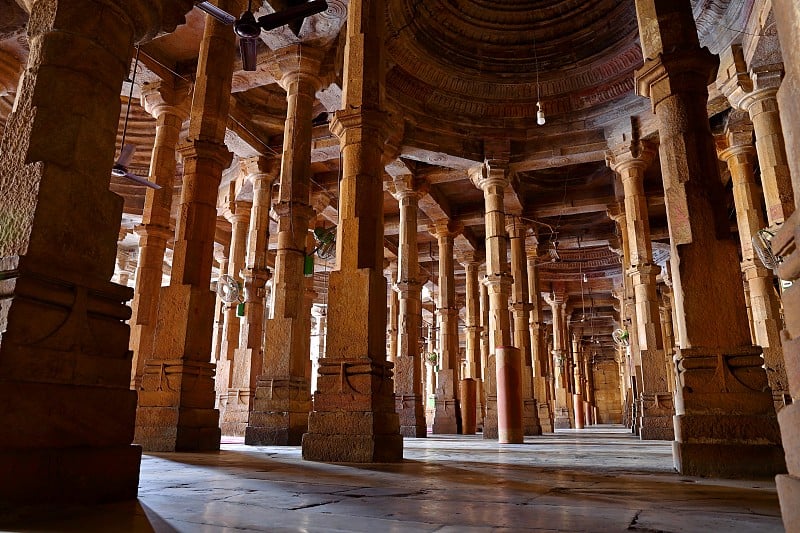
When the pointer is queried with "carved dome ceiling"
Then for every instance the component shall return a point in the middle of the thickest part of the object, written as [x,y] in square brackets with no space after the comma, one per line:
[474,61]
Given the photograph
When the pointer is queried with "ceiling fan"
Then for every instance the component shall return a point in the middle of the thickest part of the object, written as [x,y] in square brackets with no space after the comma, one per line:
[248,28]
[120,168]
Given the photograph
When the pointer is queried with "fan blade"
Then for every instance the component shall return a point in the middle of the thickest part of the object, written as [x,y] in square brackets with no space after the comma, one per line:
[247,47]
[125,155]
[219,14]
[141,181]
[274,20]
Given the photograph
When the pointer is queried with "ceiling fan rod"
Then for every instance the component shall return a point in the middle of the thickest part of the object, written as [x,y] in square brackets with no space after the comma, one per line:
[219,14]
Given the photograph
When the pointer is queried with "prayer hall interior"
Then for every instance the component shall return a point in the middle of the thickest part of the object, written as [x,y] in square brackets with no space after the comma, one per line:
[399,265]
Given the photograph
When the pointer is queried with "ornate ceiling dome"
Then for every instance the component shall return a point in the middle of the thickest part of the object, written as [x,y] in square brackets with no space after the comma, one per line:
[475,61]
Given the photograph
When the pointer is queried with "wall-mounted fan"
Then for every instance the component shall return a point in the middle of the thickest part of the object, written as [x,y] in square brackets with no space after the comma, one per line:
[621,337]
[326,243]
[248,28]
[120,168]
[762,244]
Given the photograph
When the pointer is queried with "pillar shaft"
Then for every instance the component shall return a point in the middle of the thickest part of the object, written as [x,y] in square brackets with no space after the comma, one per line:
[521,313]
[169,105]
[765,304]
[409,395]
[656,408]
[492,180]
[392,319]
[181,417]
[724,422]
[787,18]
[356,422]
[447,417]
[64,341]
[283,394]
[248,356]
[539,355]
[239,218]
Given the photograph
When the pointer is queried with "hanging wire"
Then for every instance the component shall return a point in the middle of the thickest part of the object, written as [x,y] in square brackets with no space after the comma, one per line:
[130,98]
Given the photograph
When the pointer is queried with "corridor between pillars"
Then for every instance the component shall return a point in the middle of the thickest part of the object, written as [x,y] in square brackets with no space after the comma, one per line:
[725,421]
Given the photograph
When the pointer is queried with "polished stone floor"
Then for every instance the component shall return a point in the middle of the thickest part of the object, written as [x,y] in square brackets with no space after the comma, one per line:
[599,479]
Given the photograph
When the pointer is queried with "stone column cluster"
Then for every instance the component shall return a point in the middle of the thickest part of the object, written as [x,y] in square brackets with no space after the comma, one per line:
[717,363]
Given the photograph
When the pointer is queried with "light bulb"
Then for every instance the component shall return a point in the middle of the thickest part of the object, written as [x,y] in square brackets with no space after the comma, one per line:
[539,114]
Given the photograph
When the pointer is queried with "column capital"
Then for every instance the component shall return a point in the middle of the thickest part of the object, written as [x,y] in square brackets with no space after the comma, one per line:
[555,298]
[616,212]
[745,89]
[145,231]
[261,168]
[637,154]
[403,186]
[469,258]
[293,209]
[296,62]
[240,211]
[489,174]
[442,229]
[515,227]
[163,98]
[353,126]
[690,67]
[320,201]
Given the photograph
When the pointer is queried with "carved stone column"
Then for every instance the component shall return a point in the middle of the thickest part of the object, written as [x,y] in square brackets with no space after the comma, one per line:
[65,368]
[391,331]
[238,214]
[447,418]
[787,19]
[558,305]
[470,262]
[492,179]
[169,105]
[176,398]
[738,153]
[409,394]
[354,418]
[222,378]
[320,315]
[725,423]
[577,370]
[283,396]
[540,358]
[248,357]
[755,92]
[656,406]
[521,313]
[485,350]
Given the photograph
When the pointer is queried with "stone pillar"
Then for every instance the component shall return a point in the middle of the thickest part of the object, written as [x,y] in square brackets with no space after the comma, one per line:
[588,390]
[521,313]
[320,314]
[65,368]
[492,179]
[558,304]
[756,94]
[577,369]
[248,357]
[656,406]
[447,417]
[470,262]
[238,215]
[725,420]
[283,394]
[169,105]
[222,378]
[176,398]
[485,350]
[787,18]
[539,355]
[409,395]
[391,331]
[765,305]
[354,418]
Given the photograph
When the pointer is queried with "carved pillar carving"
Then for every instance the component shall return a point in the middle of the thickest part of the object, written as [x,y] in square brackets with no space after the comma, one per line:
[540,357]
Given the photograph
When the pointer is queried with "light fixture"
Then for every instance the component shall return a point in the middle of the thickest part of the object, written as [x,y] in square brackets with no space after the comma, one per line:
[539,112]
[585,278]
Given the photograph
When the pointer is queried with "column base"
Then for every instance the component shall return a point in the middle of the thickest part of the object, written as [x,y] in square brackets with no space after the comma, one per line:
[354,420]
[69,475]
[545,417]
[412,416]
[789,485]
[577,411]
[562,419]
[279,416]
[447,417]
[508,361]
[234,411]
[530,418]
[467,396]
[789,495]
[727,425]
[657,414]
[490,421]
